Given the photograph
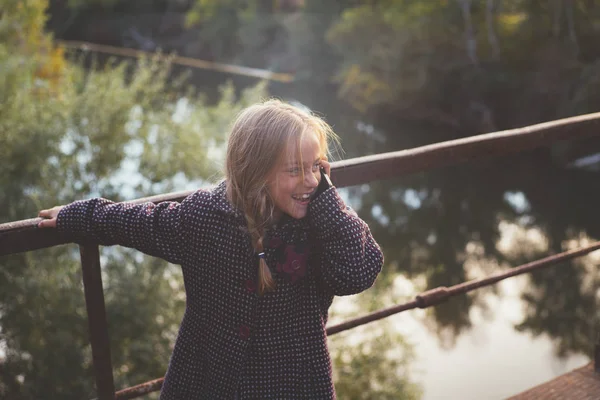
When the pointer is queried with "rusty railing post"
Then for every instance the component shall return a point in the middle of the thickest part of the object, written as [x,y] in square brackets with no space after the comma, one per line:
[94,301]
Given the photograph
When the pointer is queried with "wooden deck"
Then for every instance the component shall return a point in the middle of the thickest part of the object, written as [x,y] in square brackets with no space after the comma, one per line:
[580,384]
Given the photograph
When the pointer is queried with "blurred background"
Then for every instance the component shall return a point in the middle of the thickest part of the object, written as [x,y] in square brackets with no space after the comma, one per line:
[80,121]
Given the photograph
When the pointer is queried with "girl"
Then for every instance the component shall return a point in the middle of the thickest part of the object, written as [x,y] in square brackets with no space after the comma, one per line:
[263,253]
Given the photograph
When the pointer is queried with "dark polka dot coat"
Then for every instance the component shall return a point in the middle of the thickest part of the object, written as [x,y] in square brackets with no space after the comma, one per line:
[233,343]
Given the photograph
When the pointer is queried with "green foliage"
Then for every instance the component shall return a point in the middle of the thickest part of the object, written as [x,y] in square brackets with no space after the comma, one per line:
[67,133]
[219,23]
[373,363]
[401,53]
[206,10]
[389,50]
[426,72]
[87,3]
[418,72]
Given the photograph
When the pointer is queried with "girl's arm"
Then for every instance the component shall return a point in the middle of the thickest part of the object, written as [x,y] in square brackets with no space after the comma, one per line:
[350,259]
[157,230]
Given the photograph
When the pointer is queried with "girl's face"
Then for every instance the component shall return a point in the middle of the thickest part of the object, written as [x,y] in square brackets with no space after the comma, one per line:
[290,191]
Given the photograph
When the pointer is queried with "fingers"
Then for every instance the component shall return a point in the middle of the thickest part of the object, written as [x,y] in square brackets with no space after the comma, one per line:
[50,214]
[47,223]
[44,213]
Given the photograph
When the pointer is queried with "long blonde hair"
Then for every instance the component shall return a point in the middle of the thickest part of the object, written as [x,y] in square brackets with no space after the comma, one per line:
[258,138]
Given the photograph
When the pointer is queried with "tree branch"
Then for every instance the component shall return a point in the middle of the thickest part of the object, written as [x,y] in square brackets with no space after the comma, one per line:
[558,5]
[465,6]
[571,26]
[492,38]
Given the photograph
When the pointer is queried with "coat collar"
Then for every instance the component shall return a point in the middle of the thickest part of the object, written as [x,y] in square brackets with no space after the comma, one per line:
[222,204]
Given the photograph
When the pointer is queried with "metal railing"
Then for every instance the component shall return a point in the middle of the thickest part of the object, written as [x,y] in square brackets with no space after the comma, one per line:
[180,60]
[23,236]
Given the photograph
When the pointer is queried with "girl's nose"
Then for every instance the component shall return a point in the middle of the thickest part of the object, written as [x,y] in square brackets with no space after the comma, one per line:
[311,180]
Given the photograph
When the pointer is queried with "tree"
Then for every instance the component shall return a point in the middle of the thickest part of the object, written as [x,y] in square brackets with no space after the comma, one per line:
[376,367]
[69,133]
[372,361]
[425,72]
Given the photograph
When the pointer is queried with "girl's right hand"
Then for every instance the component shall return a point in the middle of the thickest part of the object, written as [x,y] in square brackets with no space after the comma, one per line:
[50,214]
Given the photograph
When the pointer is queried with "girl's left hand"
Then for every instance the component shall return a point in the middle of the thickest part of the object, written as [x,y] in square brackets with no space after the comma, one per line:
[51,215]
[326,166]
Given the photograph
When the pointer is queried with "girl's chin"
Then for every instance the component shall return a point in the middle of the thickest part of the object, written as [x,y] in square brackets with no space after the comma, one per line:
[298,211]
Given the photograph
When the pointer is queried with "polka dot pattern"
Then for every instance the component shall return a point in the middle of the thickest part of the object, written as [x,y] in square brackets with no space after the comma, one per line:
[233,343]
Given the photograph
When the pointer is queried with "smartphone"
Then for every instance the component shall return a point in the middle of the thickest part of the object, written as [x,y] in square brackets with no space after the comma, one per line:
[325,182]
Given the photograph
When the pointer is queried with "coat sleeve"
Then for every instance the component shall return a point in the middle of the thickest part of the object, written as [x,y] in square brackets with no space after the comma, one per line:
[155,229]
[350,257]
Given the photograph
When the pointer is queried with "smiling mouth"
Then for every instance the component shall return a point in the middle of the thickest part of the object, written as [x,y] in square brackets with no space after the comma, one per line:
[302,198]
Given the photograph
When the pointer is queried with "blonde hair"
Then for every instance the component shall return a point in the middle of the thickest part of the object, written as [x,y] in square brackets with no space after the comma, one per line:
[257,140]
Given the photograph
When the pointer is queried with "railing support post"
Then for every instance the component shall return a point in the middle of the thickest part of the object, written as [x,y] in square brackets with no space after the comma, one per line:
[94,301]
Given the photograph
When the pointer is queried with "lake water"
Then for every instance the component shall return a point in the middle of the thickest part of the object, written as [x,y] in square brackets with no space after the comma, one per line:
[491,359]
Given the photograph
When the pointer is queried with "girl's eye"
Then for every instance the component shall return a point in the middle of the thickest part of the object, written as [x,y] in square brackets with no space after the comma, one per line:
[294,171]
[316,166]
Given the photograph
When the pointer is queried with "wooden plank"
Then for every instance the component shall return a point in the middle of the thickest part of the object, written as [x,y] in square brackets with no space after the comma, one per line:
[580,384]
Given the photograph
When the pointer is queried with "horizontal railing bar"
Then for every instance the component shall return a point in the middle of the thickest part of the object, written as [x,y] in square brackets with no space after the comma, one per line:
[139,390]
[20,236]
[365,169]
[423,300]
[441,294]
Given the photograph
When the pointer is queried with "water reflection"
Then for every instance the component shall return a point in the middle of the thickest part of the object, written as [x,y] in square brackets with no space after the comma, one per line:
[491,359]
[444,227]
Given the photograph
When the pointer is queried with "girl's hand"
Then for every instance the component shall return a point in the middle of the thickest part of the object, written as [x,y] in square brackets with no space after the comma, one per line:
[326,166]
[51,215]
